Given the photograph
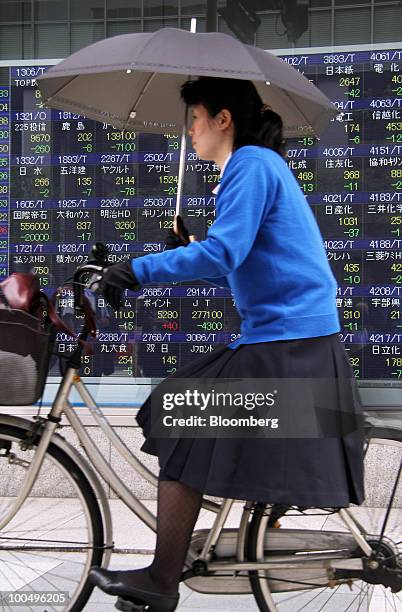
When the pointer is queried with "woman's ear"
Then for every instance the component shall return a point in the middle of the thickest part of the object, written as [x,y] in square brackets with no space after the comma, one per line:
[224,118]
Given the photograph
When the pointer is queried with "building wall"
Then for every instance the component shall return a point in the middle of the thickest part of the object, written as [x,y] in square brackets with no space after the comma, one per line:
[55,28]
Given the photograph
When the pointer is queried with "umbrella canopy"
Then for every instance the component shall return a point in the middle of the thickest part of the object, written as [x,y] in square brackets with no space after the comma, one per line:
[133,81]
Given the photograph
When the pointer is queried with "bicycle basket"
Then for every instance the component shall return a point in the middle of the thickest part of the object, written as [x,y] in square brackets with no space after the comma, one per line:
[25,349]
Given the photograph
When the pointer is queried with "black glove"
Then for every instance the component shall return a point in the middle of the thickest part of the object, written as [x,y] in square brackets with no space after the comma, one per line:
[174,240]
[116,278]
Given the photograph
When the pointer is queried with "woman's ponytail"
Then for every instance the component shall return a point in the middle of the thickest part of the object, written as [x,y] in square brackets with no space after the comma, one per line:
[271,131]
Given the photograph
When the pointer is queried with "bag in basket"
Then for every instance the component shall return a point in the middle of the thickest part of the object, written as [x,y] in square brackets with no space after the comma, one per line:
[26,339]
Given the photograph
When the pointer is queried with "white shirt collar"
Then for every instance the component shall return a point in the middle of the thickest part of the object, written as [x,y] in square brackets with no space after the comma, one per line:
[216,189]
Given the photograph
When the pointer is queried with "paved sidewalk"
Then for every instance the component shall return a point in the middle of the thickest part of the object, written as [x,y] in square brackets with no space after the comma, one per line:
[132,536]
[61,519]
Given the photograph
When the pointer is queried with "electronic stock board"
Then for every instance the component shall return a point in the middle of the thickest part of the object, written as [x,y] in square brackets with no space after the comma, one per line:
[66,182]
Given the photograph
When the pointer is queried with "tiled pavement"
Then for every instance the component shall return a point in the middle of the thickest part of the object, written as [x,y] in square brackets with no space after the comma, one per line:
[137,541]
[130,533]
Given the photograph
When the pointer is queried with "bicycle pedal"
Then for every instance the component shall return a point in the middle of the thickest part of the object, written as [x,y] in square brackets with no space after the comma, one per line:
[128,606]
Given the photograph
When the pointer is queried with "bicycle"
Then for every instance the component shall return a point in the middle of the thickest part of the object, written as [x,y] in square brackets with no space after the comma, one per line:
[286,569]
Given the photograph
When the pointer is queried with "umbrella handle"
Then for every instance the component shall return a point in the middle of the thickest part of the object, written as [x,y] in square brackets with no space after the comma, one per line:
[191,237]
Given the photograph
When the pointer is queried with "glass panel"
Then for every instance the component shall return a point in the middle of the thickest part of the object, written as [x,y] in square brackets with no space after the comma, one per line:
[51,41]
[193,7]
[387,23]
[239,22]
[223,26]
[123,9]
[27,41]
[201,24]
[123,27]
[151,25]
[15,42]
[319,3]
[50,10]
[83,34]
[295,21]
[304,39]
[15,10]
[10,42]
[271,33]
[160,8]
[91,9]
[350,2]
[320,28]
[352,26]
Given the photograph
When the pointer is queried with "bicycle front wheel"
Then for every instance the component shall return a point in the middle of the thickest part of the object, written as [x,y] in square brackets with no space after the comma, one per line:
[48,547]
[311,589]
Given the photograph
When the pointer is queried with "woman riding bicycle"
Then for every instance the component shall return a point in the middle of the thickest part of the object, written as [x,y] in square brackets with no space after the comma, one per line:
[265,245]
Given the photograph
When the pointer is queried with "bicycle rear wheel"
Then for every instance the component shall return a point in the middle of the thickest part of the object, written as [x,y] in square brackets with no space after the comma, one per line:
[55,537]
[310,590]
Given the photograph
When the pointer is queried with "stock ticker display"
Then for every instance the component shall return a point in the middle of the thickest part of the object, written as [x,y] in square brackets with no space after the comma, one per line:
[66,182]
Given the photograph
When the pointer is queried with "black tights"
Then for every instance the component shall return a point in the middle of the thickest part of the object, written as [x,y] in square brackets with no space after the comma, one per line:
[178,509]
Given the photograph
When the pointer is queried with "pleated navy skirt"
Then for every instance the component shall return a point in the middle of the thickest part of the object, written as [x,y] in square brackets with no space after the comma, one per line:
[318,472]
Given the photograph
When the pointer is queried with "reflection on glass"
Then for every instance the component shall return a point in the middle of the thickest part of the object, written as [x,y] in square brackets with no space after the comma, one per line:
[51,40]
[83,34]
[350,2]
[15,10]
[123,27]
[15,42]
[91,9]
[200,24]
[193,7]
[50,10]
[320,28]
[151,25]
[352,25]
[319,3]
[123,9]
[387,23]
[160,8]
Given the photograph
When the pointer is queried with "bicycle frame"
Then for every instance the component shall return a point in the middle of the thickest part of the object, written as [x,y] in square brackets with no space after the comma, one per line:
[216,537]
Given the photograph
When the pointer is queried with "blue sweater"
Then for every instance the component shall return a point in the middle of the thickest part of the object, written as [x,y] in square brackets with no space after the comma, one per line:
[266,243]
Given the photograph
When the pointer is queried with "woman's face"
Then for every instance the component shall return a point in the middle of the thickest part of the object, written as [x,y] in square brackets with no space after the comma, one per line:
[206,137]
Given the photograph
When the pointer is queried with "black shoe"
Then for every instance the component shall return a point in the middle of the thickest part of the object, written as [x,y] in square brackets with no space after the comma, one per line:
[128,606]
[108,582]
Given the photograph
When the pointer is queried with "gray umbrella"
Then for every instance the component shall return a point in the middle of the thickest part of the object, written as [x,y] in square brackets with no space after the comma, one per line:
[133,81]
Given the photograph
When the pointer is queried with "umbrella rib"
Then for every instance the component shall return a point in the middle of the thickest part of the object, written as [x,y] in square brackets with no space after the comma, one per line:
[61,87]
[142,92]
[308,123]
[185,68]
[84,108]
